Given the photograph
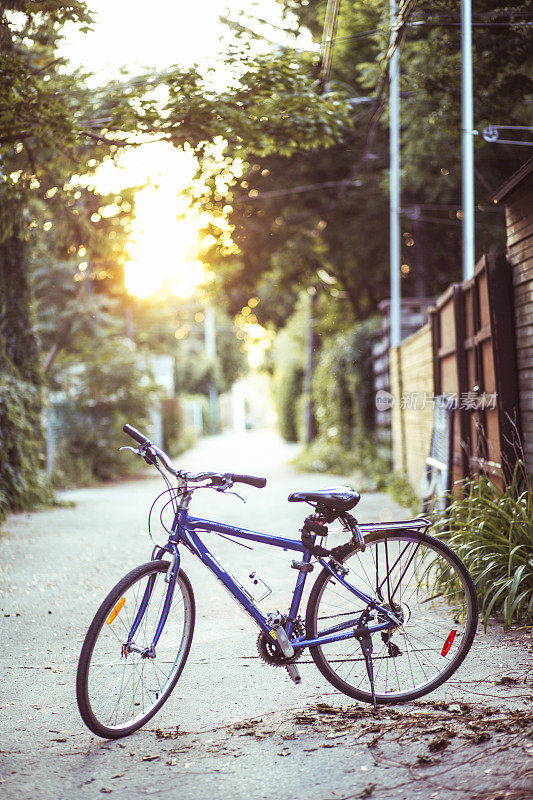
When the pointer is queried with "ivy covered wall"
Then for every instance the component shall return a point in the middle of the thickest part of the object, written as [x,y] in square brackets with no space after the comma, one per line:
[22,481]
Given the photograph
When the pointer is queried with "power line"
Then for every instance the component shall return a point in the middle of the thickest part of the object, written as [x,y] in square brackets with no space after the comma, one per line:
[310,187]
[405,10]
[429,23]
[453,222]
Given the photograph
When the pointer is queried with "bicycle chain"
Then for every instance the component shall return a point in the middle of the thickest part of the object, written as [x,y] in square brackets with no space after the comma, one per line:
[271,654]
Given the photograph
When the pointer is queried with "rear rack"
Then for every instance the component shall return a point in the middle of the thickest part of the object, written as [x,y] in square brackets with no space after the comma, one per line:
[401,525]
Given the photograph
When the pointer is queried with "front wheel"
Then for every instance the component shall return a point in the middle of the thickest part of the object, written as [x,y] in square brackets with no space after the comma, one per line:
[430,591]
[121,681]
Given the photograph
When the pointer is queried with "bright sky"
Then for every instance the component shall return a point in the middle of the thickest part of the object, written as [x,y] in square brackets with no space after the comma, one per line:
[162,33]
[135,36]
[165,246]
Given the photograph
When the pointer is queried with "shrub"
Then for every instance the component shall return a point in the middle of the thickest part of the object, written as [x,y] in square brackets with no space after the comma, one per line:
[491,528]
[108,391]
[343,388]
[289,357]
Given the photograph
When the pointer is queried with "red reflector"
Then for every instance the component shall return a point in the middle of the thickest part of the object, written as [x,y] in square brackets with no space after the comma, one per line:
[448,643]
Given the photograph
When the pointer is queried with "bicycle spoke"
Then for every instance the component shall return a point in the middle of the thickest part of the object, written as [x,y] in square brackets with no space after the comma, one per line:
[125,691]
[405,569]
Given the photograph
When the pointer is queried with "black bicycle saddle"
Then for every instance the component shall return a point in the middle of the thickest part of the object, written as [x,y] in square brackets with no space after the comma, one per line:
[339,498]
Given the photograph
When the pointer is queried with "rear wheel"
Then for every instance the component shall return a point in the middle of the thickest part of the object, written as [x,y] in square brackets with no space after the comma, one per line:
[121,683]
[430,591]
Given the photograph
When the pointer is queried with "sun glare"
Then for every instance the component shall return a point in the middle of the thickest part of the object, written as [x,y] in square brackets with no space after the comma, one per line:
[165,242]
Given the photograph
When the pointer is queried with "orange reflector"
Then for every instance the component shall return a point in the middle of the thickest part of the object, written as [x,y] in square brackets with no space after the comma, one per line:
[448,643]
[115,611]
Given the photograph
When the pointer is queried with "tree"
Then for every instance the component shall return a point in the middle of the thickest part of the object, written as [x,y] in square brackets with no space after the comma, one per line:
[294,220]
[52,126]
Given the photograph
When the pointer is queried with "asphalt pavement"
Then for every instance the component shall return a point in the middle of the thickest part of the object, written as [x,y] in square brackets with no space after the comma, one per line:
[233,727]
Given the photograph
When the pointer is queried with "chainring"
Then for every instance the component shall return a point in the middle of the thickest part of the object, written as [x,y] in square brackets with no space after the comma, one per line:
[269,652]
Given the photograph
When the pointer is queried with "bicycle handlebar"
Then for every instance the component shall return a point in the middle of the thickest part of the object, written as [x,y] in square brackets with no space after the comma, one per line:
[252,480]
[216,477]
[139,437]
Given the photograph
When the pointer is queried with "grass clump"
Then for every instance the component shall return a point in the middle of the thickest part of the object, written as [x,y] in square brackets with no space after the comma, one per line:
[490,527]
[364,468]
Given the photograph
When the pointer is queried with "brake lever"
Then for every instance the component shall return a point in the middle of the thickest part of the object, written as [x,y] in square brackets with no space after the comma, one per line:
[235,493]
[147,454]
[225,489]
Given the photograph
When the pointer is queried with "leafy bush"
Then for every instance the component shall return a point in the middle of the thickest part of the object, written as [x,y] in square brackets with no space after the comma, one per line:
[491,529]
[176,436]
[23,483]
[289,357]
[402,492]
[22,480]
[343,398]
[106,392]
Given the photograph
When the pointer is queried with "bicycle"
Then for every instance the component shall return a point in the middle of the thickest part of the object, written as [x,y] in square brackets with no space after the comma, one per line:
[399,637]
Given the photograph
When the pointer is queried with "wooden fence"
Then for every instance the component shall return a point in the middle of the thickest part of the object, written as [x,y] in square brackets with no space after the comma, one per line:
[411,374]
[413,314]
[475,362]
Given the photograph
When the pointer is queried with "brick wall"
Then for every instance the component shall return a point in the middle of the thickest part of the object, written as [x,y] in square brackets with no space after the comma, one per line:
[519,216]
[411,372]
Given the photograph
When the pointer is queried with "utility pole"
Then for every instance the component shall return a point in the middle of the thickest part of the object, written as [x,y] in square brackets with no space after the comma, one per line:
[467,135]
[394,146]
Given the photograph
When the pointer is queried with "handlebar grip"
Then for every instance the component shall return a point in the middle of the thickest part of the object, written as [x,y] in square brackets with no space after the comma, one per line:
[135,434]
[259,483]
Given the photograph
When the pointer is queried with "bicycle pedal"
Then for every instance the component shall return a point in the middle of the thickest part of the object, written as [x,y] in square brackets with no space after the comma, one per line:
[302,566]
[294,675]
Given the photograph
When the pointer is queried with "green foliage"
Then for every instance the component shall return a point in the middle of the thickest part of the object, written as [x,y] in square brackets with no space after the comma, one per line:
[491,529]
[343,388]
[342,392]
[288,355]
[22,483]
[176,437]
[273,105]
[104,389]
[296,224]
[195,371]
[402,492]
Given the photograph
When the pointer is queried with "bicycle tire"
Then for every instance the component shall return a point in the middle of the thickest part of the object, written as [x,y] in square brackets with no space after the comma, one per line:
[444,630]
[117,696]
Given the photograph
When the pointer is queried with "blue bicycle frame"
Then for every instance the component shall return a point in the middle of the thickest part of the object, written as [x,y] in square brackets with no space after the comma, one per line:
[185,530]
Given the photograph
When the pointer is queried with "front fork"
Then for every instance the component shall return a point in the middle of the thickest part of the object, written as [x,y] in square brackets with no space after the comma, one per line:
[170,579]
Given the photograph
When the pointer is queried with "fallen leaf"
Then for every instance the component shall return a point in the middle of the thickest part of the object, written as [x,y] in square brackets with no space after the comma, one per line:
[367,791]
[172,734]
[324,708]
[438,744]
[425,760]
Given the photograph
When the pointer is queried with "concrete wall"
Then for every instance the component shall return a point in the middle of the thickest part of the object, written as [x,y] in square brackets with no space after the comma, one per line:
[411,372]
